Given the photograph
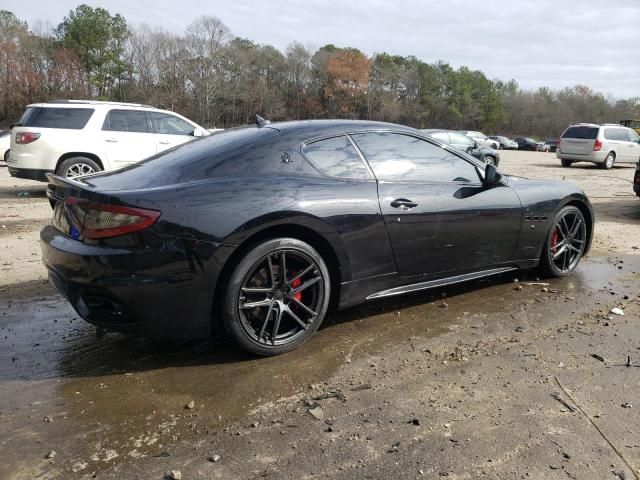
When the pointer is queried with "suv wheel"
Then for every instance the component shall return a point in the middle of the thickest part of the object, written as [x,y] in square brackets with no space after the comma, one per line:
[609,161]
[276,297]
[77,166]
[566,163]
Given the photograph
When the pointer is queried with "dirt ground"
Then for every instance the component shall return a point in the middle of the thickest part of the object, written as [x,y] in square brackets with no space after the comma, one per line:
[495,379]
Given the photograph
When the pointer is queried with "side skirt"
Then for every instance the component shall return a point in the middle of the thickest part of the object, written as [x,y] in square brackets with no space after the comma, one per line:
[440,282]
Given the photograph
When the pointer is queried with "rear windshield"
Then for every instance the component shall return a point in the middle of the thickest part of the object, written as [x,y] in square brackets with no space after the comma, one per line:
[50,117]
[588,133]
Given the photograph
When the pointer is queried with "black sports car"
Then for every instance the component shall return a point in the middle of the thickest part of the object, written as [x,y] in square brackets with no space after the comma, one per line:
[267,227]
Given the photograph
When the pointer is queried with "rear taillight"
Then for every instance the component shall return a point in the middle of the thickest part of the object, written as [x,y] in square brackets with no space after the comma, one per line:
[23,138]
[597,145]
[102,220]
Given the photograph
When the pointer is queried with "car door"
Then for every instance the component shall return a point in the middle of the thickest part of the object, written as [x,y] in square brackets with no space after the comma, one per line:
[170,130]
[127,137]
[439,216]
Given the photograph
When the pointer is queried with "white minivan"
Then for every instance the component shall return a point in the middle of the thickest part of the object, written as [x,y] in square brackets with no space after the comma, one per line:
[603,145]
[77,137]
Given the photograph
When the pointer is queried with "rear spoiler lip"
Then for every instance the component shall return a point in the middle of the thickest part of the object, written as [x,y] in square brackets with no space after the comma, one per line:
[64,182]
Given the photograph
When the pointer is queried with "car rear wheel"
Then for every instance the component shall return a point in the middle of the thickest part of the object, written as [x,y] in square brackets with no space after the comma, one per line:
[277,296]
[609,161]
[566,163]
[565,242]
[77,167]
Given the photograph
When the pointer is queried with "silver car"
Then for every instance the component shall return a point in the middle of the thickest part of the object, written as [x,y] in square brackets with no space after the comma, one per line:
[603,145]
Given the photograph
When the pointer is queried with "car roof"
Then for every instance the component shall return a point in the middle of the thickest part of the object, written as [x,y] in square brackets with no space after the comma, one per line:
[73,103]
[311,129]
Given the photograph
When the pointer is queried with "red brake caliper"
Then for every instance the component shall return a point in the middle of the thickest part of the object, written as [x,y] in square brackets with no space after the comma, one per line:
[554,241]
[295,284]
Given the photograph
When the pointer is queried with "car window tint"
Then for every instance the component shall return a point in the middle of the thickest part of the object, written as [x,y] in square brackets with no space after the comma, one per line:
[48,117]
[582,132]
[336,157]
[399,157]
[460,139]
[170,124]
[126,121]
[633,136]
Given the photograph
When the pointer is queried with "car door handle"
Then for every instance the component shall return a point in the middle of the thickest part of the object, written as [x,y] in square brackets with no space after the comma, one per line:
[403,204]
[111,140]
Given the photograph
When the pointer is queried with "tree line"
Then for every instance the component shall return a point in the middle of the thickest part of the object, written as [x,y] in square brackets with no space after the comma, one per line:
[221,80]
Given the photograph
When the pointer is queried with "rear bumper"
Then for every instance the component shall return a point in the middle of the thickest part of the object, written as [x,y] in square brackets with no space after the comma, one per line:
[29,173]
[593,157]
[164,292]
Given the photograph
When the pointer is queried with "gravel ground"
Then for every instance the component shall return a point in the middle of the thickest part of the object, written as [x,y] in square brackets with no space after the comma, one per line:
[495,381]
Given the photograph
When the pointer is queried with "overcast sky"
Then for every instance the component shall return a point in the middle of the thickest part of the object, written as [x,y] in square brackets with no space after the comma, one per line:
[553,43]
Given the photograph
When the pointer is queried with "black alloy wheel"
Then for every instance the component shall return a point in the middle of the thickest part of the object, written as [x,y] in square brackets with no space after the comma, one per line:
[566,242]
[277,297]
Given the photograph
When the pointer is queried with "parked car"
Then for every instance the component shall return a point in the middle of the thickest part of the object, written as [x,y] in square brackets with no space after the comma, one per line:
[636,180]
[525,143]
[504,142]
[603,145]
[465,144]
[482,139]
[5,144]
[268,226]
[549,146]
[78,137]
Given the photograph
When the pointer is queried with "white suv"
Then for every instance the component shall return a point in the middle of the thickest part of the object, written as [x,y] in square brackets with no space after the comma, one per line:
[73,137]
[600,144]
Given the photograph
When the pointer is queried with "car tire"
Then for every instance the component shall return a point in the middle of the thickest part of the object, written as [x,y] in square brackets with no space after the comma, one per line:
[6,156]
[267,314]
[566,163]
[77,166]
[565,242]
[608,161]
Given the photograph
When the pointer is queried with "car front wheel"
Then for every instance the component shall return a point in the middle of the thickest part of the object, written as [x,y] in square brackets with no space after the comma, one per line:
[277,296]
[565,242]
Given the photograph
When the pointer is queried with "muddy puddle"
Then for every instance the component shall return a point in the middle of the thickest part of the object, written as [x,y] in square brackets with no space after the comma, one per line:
[62,388]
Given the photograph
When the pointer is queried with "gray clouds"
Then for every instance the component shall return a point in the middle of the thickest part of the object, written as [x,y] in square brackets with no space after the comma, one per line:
[553,43]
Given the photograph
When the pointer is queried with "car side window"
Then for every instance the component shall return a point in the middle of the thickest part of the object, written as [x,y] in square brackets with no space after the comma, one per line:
[404,158]
[460,139]
[442,136]
[633,136]
[336,157]
[126,121]
[170,124]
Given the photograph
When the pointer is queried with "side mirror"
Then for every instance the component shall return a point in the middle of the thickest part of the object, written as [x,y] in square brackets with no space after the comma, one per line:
[491,175]
[197,133]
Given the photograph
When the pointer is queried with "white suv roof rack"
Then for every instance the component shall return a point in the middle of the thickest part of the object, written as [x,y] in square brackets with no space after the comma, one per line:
[100,102]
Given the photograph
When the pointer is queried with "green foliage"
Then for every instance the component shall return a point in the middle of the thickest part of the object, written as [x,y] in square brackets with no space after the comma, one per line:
[99,40]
